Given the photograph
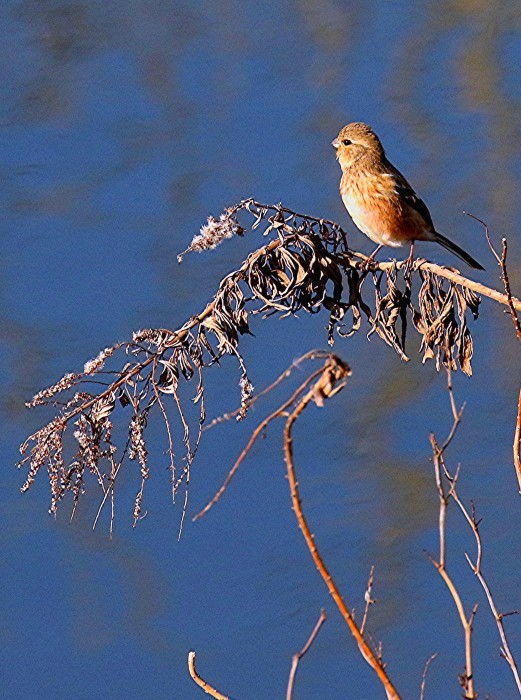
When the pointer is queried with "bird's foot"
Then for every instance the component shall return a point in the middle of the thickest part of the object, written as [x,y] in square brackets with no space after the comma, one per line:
[370,262]
[409,264]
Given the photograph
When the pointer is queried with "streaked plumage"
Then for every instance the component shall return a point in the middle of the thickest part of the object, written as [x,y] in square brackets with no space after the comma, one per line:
[379,199]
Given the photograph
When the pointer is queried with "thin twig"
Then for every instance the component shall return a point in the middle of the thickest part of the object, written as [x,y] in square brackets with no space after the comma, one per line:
[368,599]
[476,567]
[311,355]
[470,517]
[502,262]
[258,431]
[456,414]
[424,675]
[208,689]
[301,653]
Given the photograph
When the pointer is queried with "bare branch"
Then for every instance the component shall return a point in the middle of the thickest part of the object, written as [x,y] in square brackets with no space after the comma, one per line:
[467,678]
[513,307]
[512,302]
[424,675]
[301,653]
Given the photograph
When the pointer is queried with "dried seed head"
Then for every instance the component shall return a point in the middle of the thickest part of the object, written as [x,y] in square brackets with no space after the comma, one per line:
[61,385]
[97,362]
[214,232]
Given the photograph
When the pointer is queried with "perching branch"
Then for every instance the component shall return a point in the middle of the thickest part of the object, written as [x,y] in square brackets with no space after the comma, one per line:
[307,266]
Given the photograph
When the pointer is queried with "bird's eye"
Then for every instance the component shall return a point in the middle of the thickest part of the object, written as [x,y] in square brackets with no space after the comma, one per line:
[347,142]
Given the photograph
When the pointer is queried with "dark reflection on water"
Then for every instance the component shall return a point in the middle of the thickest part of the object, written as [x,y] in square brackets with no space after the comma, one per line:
[124,125]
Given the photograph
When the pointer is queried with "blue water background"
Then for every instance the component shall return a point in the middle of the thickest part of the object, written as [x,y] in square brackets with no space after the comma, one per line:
[123,125]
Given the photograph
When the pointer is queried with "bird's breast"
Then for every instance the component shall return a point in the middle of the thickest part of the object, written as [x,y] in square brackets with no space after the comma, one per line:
[372,203]
[371,216]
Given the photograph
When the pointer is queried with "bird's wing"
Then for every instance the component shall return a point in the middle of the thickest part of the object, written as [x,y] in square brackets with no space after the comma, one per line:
[406,193]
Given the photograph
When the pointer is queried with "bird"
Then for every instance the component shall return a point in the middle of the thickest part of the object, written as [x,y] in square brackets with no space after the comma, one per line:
[378,198]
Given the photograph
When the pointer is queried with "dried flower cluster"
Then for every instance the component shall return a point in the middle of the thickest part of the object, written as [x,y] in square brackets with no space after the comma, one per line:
[214,232]
[306,266]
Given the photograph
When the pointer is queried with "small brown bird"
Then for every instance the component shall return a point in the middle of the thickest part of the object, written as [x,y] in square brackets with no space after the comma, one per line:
[379,199]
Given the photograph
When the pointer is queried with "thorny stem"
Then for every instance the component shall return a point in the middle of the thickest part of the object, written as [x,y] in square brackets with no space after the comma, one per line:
[208,689]
[368,654]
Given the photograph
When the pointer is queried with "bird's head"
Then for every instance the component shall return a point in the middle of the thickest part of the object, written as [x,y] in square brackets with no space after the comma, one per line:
[354,141]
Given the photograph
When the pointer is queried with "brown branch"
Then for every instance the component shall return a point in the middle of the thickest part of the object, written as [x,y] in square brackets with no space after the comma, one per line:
[301,653]
[506,283]
[448,273]
[332,380]
[302,268]
[175,337]
[208,689]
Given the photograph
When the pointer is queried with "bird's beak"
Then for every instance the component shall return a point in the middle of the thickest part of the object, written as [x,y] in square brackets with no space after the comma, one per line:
[335,143]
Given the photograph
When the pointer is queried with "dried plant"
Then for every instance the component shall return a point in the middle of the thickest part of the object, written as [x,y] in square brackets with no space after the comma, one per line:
[446,485]
[306,266]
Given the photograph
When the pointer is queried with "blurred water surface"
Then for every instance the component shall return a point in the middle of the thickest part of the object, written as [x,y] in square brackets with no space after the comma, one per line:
[123,126]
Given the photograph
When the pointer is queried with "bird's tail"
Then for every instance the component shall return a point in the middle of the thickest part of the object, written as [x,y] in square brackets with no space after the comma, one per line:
[446,243]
